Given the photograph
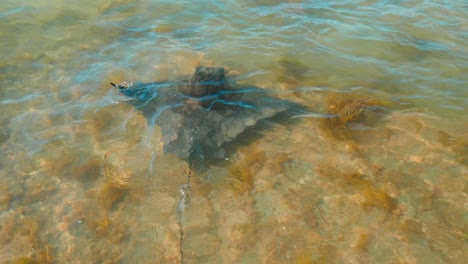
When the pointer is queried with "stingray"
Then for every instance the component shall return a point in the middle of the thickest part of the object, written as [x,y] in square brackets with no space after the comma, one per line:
[202,116]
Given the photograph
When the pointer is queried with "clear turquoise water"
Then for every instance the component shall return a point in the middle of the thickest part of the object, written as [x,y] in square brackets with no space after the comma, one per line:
[83,178]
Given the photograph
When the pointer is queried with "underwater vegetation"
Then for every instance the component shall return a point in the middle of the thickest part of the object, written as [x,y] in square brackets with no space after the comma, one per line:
[5,198]
[104,122]
[252,160]
[351,110]
[112,191]
[459,145]
[104,224]
[89,170]
[27,232]
[244,171]
[370,194]
[303,258]
[291,71]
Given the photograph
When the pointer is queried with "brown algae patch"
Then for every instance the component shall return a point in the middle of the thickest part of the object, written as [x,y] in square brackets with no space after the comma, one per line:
[26,233]
[5,197]
[89,170]
[107,225]
[370,195]
[58,160]
[252,160]
[112,192]
[350,109]
[459,145]
[106,124]
[243,172]
[378,198]
[291,70]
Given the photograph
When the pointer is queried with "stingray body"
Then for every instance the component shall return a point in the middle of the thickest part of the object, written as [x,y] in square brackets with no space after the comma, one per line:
[203,115]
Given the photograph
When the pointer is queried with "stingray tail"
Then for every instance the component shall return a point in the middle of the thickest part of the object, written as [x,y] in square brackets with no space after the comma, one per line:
[197,159]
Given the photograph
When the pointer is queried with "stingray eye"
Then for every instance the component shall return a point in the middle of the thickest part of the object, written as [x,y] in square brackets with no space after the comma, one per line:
[122,85]
[118,86]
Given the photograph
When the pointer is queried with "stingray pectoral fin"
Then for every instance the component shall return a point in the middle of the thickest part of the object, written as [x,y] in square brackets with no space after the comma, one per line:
[235,124]
[244,118]
[231,128]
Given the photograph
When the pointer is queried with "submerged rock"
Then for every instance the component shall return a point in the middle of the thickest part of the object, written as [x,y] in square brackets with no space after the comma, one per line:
[204,115]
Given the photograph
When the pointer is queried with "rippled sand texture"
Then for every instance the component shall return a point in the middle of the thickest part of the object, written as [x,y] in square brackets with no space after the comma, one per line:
[375,173]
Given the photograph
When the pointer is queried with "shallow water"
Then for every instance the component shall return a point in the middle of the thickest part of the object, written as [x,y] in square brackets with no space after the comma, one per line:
[83,178]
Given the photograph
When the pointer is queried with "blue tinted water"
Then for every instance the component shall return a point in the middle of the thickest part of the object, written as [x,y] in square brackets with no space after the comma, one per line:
[84,178]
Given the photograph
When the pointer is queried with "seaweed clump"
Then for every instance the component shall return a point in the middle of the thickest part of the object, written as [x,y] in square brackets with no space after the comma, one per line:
[459,145]
[105,225]
[112,192]
[27,232]
[351,109]
[89,170]
[370,194]
[115,185]
[25,260]
[244,171]
[254,159]
[292,71]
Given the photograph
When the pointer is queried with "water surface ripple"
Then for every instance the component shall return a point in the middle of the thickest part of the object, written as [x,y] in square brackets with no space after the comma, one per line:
[375,173]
